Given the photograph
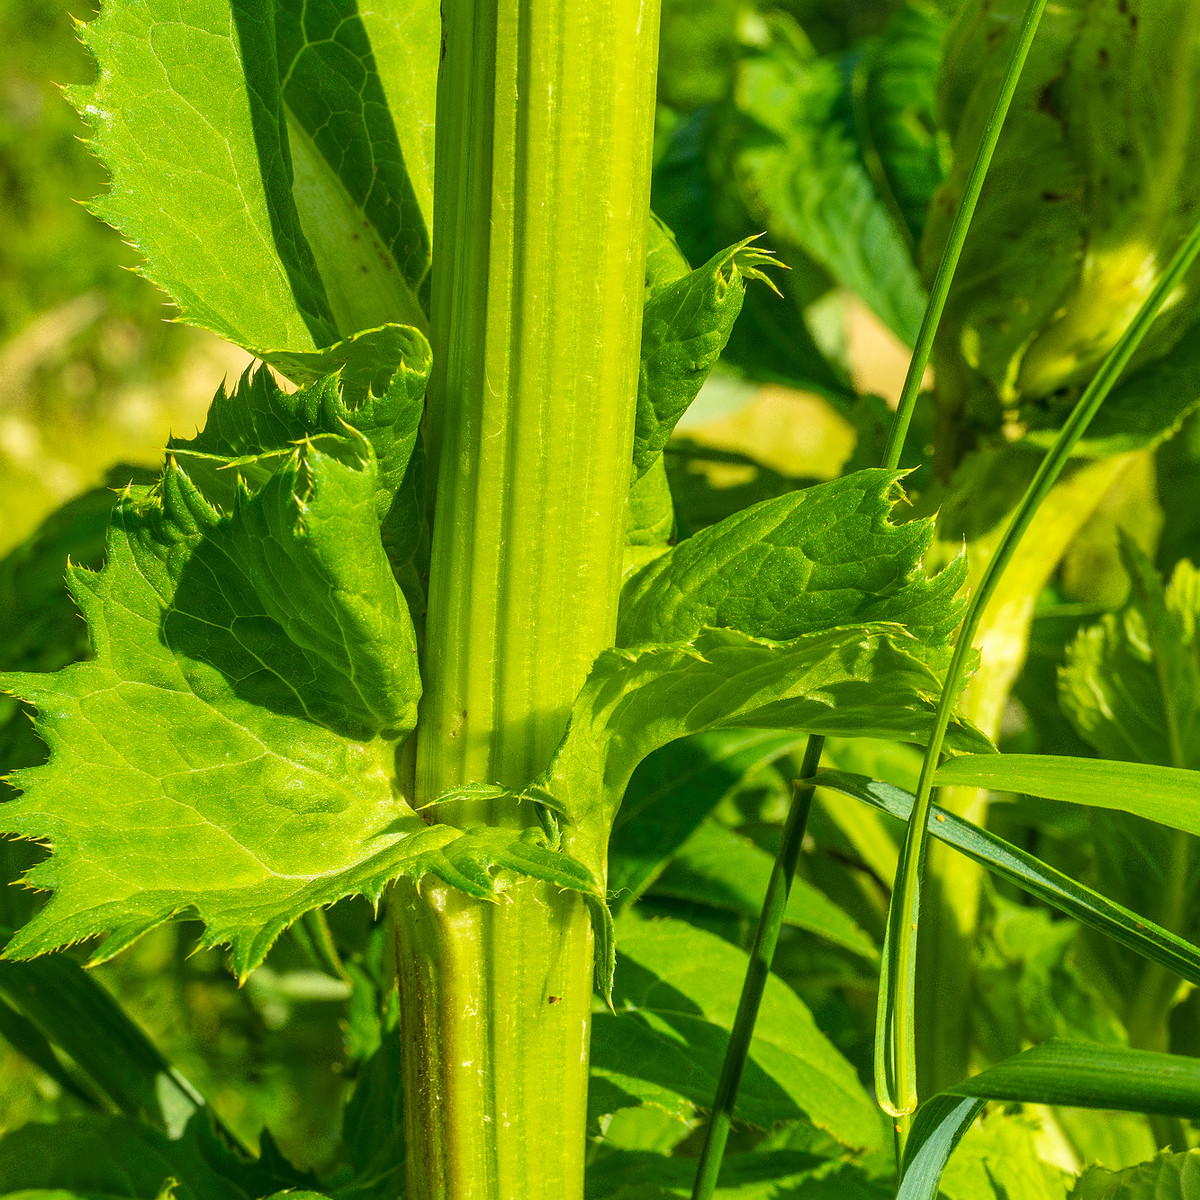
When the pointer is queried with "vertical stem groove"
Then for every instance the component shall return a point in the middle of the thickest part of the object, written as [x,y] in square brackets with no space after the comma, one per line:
[544,132]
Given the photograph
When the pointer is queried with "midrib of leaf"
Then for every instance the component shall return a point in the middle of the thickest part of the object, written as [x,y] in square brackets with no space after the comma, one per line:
[364,283]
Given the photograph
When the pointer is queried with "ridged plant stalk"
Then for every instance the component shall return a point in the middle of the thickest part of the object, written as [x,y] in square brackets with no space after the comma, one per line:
[544,127]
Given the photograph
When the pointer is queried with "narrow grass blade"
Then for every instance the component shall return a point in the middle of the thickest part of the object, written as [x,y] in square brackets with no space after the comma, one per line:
[895,1050]
[1074,1074]
[1029,873]
[958,235]
[761,953]
[1168,795]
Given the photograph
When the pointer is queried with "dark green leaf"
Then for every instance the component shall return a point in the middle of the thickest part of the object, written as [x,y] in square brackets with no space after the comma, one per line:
[115,1158]
[671,793]
[29,1041]
[675,995]
[718,867]
[895,112]
[765,1175]
[798,172]
[70,1008]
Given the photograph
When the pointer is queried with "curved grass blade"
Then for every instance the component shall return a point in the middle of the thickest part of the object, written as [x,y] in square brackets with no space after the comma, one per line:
[895,1048]
[1168,795]
[1073,1074]
[1029,873]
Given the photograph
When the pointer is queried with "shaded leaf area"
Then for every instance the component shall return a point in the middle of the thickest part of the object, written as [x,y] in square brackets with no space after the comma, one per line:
[795,167]
[62,1006]
[768,1175]
[1169,1175]
[895,88]
[809,560]
[260,161]
[867,681]
[116,1158]
[675,994]
[1088,194]
[255,667]
[672,792]
[357,204]
[1059,1072]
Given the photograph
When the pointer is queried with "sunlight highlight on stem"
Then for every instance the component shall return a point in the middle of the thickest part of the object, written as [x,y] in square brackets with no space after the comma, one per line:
[895,1064]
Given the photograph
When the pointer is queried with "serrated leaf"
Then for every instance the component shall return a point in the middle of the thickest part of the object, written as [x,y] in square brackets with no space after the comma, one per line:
[187,117]
[797,170]
[255,667]
[718,867]
[675,995]
[671,793]
[895,106]
[860,681]
[809,560]
[685,327]
[273,166]
[665,261]
[1167,1177]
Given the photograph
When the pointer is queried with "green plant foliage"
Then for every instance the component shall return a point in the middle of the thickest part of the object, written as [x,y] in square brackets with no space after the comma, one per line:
[797,171]
[895,112]
[865,681]
[767,1175]
[719,867]
[257,166]
[685,326]
[670,794]
[1165,794]
[1032,875]
[1131,683]
[825,556]
[115,1158]
[1091,188]
[273,743]
[1079,1074]
[675,993]
[1169,1175]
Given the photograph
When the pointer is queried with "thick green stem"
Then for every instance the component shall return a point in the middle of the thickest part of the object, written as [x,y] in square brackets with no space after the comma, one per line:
[544,127]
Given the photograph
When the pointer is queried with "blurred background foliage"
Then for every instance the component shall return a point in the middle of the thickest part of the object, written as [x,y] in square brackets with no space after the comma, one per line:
[767,120]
